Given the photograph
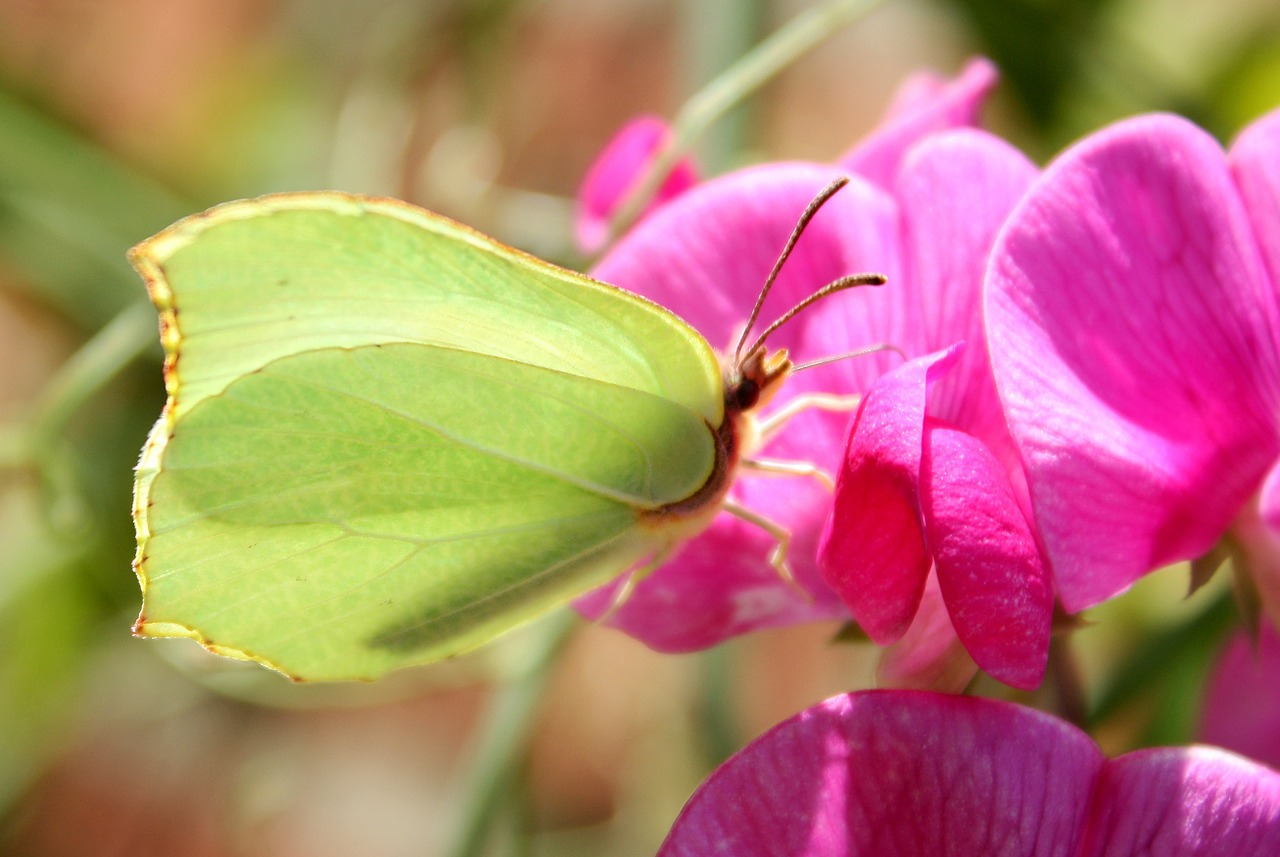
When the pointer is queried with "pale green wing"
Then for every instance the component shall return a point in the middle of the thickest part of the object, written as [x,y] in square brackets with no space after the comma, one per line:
[343,512]
[333,504]
[248,282]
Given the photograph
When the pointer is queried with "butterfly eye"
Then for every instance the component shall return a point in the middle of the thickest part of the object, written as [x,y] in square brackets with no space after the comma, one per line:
[745,394]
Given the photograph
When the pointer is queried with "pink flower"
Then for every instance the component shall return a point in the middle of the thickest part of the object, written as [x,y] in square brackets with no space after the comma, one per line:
[924,104]
[615,173]
[705,255]
[931,481]
[908,774]
[1242,702]
[1133,322]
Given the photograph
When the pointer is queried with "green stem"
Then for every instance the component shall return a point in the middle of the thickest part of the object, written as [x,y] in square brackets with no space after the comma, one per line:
[719,732]
[787,44]
[504,735]
[77,207]
[1068,686]
[112,348]
[714,35]
[15,448]
[38,443]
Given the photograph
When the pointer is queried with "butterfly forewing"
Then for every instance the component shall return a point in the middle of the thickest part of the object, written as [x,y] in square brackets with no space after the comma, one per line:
[389,439]
[249,282]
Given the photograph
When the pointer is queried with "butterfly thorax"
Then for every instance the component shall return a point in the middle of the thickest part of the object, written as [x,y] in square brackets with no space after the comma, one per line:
[748,385]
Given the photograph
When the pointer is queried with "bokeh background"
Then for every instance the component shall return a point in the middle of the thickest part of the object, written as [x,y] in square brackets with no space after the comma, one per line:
[118,117]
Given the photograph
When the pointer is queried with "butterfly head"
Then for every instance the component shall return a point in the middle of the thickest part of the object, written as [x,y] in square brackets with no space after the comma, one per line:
[756,378]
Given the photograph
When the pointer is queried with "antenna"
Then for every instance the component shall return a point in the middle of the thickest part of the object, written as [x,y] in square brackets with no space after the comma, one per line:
[857,352]
[839,285]
[818,201]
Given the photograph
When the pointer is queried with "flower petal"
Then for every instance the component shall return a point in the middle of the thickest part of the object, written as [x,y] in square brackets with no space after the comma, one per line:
[929,656]
[705,256]
[872,551]
[898,774]
[1255,160]
[1256,534]
[615,172]
[718,586]
[923,105]
[997,590]
[956,189]
[1269,498]
[1197,802]
[1242,702]
[1132,330]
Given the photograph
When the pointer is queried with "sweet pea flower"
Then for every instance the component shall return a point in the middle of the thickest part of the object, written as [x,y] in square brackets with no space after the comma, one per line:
[930,478]
[1134,330]
[924,215]
[705,254]
[931,534]
[910,773]
[614,174]
[925,104]
[1242,700]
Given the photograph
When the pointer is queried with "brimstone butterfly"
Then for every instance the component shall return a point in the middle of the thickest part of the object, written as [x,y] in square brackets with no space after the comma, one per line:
[389,438]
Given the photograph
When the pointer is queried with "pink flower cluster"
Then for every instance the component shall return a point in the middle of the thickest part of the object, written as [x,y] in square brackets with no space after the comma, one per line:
[1086,387]
[927,195]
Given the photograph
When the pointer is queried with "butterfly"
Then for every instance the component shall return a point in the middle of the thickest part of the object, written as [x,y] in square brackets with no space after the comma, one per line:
[389,438]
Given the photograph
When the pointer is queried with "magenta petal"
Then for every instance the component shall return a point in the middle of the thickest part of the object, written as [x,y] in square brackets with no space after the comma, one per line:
[1197,802]
[929,656]
[906,774]
[1242,703]
[1269,500]
[720,585]
[898,774]
[1132,329]
[705,256]
[1258,540]
[956,189]
[872,551]
[615,172]
[997,590]
[1255,159]
[922,108]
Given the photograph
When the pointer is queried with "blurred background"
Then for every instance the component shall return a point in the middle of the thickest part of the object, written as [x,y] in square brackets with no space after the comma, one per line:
[118,118]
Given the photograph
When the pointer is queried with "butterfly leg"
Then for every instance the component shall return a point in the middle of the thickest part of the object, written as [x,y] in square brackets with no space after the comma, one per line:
[634,576]
[782,539]
[770,427]
[778,467]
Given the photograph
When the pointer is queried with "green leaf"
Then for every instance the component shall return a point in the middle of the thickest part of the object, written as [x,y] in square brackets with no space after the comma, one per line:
[67,211]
